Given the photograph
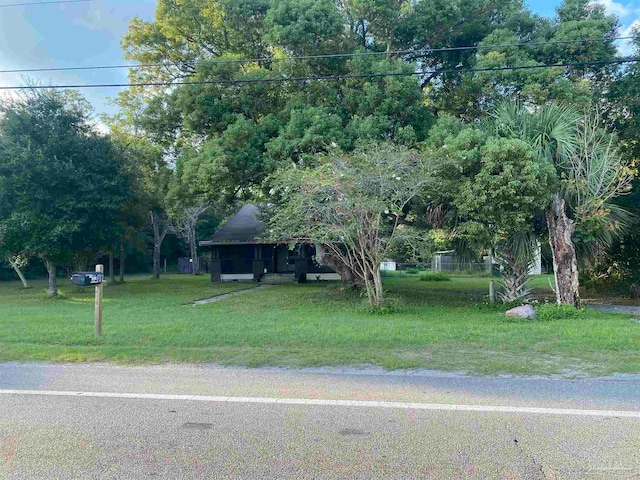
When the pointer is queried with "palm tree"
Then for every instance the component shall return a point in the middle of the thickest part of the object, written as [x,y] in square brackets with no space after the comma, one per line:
[590,173]
[515,256]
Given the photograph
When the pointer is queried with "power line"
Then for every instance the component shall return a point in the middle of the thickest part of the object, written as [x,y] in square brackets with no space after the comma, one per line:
[42,3]
[324,77]
[418,52]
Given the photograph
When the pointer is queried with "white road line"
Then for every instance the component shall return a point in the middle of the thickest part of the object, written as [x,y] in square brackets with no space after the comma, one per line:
[336,403]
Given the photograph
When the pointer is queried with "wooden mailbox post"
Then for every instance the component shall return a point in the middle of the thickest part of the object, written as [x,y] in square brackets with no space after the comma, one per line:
[87,279]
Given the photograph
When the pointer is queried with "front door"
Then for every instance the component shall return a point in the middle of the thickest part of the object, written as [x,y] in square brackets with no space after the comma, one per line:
[286,259]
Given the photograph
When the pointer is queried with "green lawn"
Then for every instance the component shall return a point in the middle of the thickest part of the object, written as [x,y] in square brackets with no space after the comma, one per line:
[439,325]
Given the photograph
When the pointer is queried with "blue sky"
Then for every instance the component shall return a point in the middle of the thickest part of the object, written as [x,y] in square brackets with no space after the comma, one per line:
[87,34]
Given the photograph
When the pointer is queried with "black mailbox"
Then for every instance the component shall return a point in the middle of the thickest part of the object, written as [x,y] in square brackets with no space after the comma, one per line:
[86,279]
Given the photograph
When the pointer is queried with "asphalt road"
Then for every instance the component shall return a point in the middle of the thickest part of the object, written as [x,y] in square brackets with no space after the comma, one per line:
[174,422]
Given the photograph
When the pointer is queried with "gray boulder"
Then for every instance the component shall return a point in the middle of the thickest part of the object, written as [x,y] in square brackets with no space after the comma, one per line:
[525,311]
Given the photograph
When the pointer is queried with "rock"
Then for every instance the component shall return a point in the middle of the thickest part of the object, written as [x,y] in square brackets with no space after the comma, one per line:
[524,311]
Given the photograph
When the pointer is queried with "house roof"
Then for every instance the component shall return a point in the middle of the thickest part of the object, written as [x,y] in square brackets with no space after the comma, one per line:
[244,228]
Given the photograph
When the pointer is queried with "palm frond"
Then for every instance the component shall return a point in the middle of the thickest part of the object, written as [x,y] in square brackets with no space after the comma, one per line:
[550,129]
[522,246]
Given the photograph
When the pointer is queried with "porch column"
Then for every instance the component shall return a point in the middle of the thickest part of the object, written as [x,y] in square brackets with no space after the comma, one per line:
[301,270]
[258,263]
[216,267]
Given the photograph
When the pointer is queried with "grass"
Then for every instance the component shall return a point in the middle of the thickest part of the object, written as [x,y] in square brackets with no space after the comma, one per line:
[434,277]
[439,325]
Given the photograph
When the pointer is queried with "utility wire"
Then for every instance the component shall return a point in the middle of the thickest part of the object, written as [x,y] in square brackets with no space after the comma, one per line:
[323,77]
[419,52]
[42,3]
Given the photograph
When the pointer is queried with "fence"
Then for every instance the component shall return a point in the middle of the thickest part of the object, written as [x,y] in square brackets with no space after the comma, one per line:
[462,267]
[185,265]
[447,266]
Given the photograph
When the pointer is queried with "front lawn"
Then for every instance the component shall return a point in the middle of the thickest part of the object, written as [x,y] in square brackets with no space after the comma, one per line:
[437,325]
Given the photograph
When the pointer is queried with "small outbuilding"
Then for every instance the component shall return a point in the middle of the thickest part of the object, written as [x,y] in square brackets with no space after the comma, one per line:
[239,253]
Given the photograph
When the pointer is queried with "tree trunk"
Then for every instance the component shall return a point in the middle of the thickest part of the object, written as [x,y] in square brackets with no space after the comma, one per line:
[122,258]
[158,237]
[194,253]
[372,278]
[377,285]
[53,284]
[15,266]
[156,259]
[347,275]
[112,274]
[565,262]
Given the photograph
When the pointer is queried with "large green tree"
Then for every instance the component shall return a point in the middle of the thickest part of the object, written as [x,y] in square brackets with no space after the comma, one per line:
[349,206]
[62,186]
[254,127]
[490,193]
[620,269]
[581,32]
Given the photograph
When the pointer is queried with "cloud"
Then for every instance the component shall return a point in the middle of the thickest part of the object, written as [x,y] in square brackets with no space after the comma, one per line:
[113,17]
[628,31]
[625,47]
[615,8]
[96,17]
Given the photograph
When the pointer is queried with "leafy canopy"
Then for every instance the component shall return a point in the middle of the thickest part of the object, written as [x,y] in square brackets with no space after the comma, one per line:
[62,185]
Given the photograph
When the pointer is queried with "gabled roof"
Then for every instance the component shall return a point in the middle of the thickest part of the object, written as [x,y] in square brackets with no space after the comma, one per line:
[244,228]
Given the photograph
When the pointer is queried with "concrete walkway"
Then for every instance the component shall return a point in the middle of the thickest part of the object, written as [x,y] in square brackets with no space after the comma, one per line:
[217,298]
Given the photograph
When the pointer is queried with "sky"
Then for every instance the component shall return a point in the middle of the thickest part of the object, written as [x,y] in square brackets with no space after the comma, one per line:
[88,34]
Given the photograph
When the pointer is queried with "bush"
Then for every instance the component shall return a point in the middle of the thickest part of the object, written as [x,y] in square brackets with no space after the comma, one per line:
[434,277]
[61,295]
[412,270]
[552,311]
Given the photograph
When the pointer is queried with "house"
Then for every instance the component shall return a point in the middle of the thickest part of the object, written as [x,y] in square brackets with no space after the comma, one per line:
[239,253]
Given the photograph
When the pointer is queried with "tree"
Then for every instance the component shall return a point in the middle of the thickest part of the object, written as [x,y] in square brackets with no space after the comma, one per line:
[252,129]
[492,188]
[62,184]
[591,169]
[186,228]
[17,261]
[198,185]
[620,268]
[243,132]
[351,205]
[150,174]
[515,254]
[559,40]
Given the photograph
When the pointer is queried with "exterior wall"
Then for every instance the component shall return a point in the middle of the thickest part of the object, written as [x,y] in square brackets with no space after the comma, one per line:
[237,277]
[321,277]
[244,259]
[236,258]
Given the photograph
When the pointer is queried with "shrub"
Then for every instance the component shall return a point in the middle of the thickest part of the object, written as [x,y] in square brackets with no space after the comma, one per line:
[434,277]
[61,294]
[552,311]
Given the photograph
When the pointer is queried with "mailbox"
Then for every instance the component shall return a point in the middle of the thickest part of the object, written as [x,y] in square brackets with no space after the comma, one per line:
[86,279]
